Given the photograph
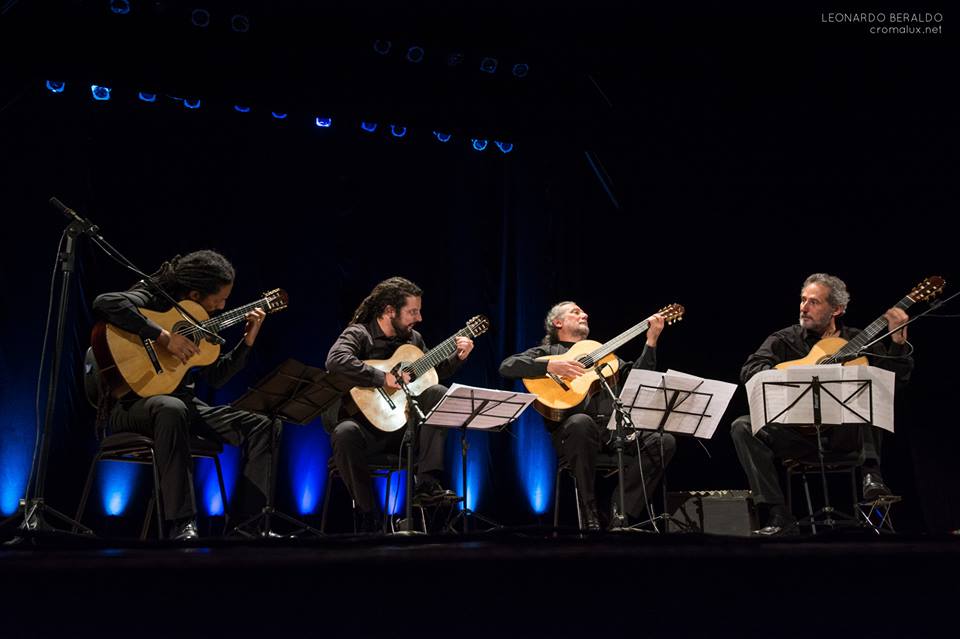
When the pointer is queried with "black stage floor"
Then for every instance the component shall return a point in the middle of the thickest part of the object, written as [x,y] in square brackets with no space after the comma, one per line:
[508,583]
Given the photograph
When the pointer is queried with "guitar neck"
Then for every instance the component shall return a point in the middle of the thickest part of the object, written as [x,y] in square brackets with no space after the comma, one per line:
[615,343]
[437,354]
[232,317]
[864,337]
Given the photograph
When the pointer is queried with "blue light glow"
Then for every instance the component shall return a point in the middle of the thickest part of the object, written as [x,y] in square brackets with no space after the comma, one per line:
[478,145]
[117,481]
[240,23]
[279,116]
[324,123]
[56,87]
[120,7]
[382,46]
[398,131]
[99,93]
[307,451]
[147,97]
[478,456]
[443,137]
[17,431]
[241,109]
[488,65]
[200,18]
[536,460]
[209,487]
[397,492]
[369,127]
[506,147]
[191,104]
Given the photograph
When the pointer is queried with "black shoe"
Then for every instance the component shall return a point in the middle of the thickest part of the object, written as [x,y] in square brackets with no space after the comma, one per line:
[591,520]
[431,494]
[779,524]
[370,524]
[617,519]
[184,530]
[873,487]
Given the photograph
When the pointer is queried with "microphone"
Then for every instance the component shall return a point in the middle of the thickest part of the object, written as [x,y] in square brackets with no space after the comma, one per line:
[86,225]
[63,208]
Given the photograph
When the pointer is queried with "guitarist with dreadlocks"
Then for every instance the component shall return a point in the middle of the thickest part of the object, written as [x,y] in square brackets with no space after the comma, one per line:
[204,277]
[381,324]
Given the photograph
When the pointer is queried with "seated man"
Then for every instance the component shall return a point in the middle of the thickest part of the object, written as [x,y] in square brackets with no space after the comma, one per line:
[383,322]
[582,436]
[823,300]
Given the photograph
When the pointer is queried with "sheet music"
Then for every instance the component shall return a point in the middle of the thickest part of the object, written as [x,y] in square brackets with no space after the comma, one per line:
[770,386]
[699,404]
[457,404]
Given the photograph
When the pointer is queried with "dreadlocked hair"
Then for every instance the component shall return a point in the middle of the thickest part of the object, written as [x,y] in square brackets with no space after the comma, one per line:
[390,292]
[203,271]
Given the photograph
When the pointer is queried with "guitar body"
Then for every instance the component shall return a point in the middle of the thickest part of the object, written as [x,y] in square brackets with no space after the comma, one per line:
[553,400]
[820,351]
[125,365]
[372,404]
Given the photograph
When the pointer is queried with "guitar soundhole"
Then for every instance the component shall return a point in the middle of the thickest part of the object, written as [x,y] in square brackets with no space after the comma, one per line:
[184,328]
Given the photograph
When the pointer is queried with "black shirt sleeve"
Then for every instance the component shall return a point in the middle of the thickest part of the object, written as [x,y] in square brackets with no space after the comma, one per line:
[345,358]
[221,371]
[524,364]
[120,309]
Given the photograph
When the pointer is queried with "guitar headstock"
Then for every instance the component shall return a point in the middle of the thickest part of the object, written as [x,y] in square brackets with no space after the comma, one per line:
[672,313]
[275,300]
[927,289]
[478,325]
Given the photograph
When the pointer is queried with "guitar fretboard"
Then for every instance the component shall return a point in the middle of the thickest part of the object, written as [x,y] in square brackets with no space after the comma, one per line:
[862,338]
[591,359]
[235,316]
[437,354]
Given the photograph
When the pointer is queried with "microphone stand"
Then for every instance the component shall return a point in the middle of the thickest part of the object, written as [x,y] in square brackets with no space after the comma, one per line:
[933,307]
[410,437]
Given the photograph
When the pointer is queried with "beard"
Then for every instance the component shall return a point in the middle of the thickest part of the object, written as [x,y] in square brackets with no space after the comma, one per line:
[582,331]
[402,331]
[811,324]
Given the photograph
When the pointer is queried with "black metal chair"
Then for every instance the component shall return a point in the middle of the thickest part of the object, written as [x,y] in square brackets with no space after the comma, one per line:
[385,466]
[138,449]
[606,465]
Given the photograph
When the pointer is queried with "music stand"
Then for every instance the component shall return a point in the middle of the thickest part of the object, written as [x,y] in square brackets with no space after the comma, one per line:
[838,396]
[671,402]
[297,394]
[467,407]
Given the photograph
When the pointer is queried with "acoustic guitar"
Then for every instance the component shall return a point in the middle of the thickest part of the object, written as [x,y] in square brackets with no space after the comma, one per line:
[832,350]
[128,362]
[388,410]
[557,396]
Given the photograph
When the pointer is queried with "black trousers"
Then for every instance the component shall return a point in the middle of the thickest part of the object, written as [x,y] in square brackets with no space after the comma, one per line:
[757,453]
[172,421]
[355,440]
[579,440]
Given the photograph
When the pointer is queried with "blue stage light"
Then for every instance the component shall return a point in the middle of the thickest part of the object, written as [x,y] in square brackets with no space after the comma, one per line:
[536,461]
[392,497]
[506,147]
[415,54]
[488,65]
[120,7]
[241,109]
[240,23]
[398,131]
[479,145]
[200,18]
[147,97]
[117,482]
[382,46]
[16,447]
[454,59]
[443,137]
[209,487]
[521,70]
[307,451]
[279,116]
[191,104]
[369,127]
[324,123]
[56,87]
[99,93]
[477,464]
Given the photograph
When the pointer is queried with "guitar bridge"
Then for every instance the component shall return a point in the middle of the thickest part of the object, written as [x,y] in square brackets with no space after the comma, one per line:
[559,381]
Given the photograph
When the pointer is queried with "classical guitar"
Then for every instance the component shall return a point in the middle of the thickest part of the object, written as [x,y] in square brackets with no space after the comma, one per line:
[557,396]
[832,350]
[388,410]
[128,362]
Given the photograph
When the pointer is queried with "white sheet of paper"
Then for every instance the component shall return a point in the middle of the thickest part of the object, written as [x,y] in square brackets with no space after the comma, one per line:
[456,405]
[700,402]
[769,401]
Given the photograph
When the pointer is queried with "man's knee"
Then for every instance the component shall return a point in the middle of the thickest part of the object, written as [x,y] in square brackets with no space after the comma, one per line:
[741,428]
[579,428]
[346,435]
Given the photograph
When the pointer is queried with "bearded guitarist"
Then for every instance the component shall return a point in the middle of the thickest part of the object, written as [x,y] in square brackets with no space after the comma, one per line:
[580,435]
[171,419]
[823,301]
[382,323]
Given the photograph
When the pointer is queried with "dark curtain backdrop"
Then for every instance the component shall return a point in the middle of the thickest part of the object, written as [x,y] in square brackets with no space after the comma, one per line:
[736,172]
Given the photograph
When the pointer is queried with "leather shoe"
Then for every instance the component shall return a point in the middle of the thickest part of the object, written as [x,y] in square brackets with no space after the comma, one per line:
[779,524]
[185,530]
[591,520]
[432,493]
[873,487]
